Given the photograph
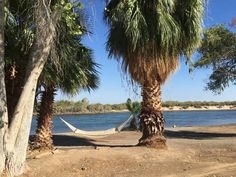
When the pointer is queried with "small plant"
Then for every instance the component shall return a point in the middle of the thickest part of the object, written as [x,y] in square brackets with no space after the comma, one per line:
[134,108]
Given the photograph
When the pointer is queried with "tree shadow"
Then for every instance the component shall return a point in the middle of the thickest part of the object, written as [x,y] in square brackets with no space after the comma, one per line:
[76,141]
[69,140]
[197,135]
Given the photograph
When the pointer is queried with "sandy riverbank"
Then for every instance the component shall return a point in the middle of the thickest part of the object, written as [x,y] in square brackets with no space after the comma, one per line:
[192,152]
[203,108]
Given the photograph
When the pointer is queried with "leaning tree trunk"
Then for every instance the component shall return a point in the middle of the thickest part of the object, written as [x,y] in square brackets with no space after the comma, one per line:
[43,137]
[14,137]
[151,117]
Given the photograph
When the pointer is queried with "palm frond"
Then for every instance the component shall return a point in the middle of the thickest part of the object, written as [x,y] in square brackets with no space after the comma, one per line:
[148,36]
[71,66]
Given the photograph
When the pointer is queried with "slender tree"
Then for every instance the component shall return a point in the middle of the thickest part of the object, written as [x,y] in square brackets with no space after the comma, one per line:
[148,37]
[15,128]
[70,68]
[82,74]
[134,108]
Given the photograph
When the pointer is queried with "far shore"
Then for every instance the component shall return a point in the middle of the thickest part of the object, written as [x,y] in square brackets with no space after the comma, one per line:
[202,108]
[165,109]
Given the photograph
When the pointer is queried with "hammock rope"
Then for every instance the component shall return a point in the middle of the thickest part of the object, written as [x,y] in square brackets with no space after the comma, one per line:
[98,132]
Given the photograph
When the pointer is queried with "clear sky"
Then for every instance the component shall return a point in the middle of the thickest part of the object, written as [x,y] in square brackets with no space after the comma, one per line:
[181,86]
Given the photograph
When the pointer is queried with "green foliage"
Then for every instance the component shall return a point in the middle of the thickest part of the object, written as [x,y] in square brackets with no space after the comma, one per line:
[96,108]
[133,107]
[19,36]
[63,107]
[218,51]
[71,66]
[19,32]
[83,106]
[70,14]
[148,36]
[119,106]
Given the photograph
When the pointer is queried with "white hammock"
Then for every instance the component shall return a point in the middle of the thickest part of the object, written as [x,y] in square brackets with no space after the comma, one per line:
[98,132]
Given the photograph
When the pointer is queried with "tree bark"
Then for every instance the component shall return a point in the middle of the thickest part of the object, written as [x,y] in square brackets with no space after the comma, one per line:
[151,117]
[15,160]
[14,140]
[3,104]
[43,137]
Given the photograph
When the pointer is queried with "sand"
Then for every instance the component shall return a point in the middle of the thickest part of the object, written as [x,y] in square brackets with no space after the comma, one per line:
[192,152]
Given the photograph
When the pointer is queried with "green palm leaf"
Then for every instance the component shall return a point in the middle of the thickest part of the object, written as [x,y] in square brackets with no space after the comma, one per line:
[149,36]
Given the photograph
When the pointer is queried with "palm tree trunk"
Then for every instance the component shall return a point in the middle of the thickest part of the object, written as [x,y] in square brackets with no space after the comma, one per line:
[151,117]
[43,138]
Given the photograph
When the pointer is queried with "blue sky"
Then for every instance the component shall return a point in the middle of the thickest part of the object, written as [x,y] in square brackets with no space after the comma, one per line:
[181,86]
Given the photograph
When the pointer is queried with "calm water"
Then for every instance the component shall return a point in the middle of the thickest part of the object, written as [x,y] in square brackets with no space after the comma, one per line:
[178,118]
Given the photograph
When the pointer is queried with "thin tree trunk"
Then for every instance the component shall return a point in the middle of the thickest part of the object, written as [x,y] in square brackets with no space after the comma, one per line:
[15,160]
[20,125]
[151,117]
[43,137]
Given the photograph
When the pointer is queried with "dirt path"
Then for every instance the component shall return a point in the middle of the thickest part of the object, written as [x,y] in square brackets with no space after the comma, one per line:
[192,152]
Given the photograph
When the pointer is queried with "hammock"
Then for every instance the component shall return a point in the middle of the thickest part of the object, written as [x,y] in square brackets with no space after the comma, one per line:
[99,132]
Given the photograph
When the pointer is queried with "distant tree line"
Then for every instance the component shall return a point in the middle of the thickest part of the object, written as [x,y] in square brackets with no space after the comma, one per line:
[83,106]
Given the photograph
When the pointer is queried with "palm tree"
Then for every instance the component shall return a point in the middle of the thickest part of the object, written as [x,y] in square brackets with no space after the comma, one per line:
[81,74]
[70,68]
[134,109]
[148,37]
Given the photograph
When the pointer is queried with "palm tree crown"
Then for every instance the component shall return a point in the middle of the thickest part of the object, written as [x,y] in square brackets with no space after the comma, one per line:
[149,35]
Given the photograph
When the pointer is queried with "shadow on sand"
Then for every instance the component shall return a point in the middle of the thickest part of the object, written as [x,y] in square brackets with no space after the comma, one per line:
[70,140]
[197,135]
[67,140]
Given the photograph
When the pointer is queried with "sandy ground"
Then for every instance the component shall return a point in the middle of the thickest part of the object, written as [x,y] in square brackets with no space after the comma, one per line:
[192,152]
